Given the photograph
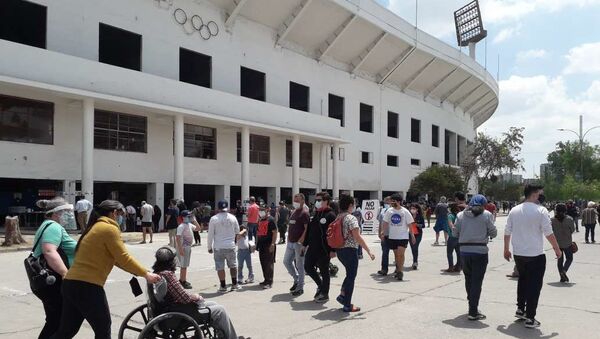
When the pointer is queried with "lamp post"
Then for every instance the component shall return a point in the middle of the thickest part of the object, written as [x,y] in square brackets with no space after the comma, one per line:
[581,136]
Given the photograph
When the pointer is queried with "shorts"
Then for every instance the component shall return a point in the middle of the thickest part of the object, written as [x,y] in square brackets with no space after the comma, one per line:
[146,223]
[225,255]
[393,244]
[441,225]
[184,261]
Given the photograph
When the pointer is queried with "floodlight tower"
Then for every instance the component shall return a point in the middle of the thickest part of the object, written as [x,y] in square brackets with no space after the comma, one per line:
[469,26]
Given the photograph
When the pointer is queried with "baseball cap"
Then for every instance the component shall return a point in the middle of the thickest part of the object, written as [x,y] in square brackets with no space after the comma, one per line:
[478,200]
[222,205]
[185,213]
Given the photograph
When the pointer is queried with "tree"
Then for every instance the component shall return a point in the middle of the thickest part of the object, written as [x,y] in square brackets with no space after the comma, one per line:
[437,181]
[565,161]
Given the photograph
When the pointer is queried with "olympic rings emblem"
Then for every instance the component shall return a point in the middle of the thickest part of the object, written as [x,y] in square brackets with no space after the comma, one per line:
[206,30]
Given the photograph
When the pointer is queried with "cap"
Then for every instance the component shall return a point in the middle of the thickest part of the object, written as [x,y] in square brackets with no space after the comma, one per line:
[185,213]
[222,205]
[478,200]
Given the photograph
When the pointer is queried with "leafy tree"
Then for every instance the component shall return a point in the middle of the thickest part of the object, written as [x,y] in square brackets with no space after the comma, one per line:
[508,191]
[565,161]
[437,181]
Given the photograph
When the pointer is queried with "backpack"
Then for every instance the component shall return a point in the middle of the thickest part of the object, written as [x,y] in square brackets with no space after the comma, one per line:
[335,235]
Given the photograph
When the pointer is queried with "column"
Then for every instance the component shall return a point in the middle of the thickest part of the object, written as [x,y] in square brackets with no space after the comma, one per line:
[222,192]
[295,165]
[178,165]
[69,191]
[323,167]
[156,196]
[87,151]
[335,171]
[245,163]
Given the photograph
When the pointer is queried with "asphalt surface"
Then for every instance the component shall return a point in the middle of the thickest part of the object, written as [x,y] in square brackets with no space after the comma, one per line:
[428,304]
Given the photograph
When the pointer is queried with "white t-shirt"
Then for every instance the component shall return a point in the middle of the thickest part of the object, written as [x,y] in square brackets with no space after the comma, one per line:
[147,212]
[398,222]
[83,205]
[222,229]
[185,230]
[528,223]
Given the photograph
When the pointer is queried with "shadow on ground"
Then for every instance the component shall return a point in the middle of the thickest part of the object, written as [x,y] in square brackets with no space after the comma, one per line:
[463,322]
[518,330]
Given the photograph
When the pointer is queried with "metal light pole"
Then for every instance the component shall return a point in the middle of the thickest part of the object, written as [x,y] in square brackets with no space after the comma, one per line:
[581,136]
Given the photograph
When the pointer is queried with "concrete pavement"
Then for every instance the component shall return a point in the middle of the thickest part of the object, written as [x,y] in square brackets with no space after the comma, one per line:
[427,304]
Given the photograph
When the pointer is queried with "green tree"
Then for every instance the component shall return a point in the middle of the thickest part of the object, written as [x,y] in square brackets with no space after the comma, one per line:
[437,181]
[566,159]
[509,191]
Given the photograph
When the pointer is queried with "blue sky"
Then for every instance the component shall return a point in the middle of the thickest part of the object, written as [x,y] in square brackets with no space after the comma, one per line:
[549,64]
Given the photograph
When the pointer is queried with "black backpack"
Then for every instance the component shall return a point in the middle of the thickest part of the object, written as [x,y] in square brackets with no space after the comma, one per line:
[40,275]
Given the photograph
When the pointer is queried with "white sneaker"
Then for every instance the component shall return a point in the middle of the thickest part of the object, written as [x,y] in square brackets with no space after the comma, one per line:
[532,323]
[236,287]
[222,289]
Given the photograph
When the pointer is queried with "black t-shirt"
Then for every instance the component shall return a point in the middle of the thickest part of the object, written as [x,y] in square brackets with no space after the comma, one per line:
[174,213]
[316,233]
[265,232]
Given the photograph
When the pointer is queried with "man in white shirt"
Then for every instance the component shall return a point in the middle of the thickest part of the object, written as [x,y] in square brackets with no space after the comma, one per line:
[223,230]
[527,225]
[398,223]
[83,208]
[147,211]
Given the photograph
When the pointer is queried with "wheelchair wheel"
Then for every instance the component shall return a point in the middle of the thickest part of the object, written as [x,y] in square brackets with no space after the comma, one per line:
[171,325]
[134,322]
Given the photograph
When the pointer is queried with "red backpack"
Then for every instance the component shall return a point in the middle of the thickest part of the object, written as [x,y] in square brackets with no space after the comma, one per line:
[335,235]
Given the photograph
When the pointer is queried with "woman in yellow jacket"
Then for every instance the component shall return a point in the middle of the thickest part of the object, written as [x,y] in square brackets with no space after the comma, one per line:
[98,250]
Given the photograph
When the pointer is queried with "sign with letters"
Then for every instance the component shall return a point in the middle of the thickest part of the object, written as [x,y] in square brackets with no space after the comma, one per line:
[370,211]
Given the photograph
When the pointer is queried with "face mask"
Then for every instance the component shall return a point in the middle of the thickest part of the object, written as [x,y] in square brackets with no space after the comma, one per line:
[386,205]
[67,220]
[296,205]
[119,219]
[262,214]
[318,204]
[541,198]
[353,209]
[413,211]
[187,220]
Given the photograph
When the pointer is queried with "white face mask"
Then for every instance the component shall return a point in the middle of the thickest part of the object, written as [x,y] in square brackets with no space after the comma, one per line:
[67,220]
[262,214]
[296,205]
[318,204]
[386,205]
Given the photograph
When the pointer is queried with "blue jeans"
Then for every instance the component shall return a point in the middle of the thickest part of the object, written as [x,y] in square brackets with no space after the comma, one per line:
[293,260]
[244,256]
[452,246]
[252,228]
[385,256]
[415,248]
[348,256]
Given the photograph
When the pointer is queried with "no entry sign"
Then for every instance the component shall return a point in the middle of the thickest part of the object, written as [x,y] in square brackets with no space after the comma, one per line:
[370,211]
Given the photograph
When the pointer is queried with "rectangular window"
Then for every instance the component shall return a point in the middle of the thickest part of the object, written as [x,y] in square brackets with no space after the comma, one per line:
[415,162]
[415,130]
[299,97]
[392,160]
[25,120]
[260,149]
[199,142]
[306,155]
[435,136]
[392,125]
[23,22]
[119,47]
[195,68]
[120,132]
[336,108]
[365,157]
[366,118]
[435,164]
[252,84]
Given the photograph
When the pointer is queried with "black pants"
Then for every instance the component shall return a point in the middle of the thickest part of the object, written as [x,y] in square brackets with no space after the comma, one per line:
[563,266]
[451,247]
[415,248]
[385,255]
[267,260]
[318,259]
[589,229]
[52,301]
[474,267]
[82,300]
[197,239]
[531,279]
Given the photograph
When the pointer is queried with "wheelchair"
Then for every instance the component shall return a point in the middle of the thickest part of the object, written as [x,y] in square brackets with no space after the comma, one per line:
[155,319]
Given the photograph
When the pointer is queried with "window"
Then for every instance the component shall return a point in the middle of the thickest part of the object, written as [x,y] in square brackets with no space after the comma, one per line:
[392,125]
[365,157]
[336,108]
[415,130]
[119,47]
[23,22]
[252,84]
[366,118]
[260,149]
[199,142]
[306,154]
[195,68]
[435,164]
[415,162]
[119,132]
[435,136]
[25,120]
[392,160]
[299,97]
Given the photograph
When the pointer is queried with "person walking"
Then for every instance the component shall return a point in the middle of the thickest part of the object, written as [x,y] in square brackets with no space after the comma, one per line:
[252,218]
[383,234]
[283,216]
[441,221]
[473,227]
[348,254]
[452,245]
[58,248]
[147,212]
[417,212]
[99,249]
[357,213]
[398,223]
[266,236]
[223,230]
[293,259]
[573,212]
[83,207]
[589,216]
[527,225]
[156,218]
[563,227]
[318,254]
[171,222]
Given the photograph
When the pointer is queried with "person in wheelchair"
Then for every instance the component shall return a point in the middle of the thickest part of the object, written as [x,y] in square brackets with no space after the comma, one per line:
[165,266]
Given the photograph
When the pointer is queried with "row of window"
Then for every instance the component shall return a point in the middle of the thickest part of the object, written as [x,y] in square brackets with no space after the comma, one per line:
[25,22]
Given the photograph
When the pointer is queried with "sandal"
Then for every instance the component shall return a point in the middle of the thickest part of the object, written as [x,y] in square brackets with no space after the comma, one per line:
[351,309]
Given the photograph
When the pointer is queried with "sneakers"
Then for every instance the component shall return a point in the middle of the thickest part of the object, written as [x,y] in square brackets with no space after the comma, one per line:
[317,294]
[267,286]
[399,275]
[477,317]
[186,284]
[532,323]
[298,293]
[321,299]
[223,289]
[520,314]
[249,281]
[236,287]
[382,273]
[415,266]
[294,287]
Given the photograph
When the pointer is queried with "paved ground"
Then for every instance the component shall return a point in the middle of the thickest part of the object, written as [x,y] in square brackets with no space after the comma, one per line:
[427,305]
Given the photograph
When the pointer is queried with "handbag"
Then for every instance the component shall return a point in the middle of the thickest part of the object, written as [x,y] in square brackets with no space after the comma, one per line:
[40,275]
[574,247]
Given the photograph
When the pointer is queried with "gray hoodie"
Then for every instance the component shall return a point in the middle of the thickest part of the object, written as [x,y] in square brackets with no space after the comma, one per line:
[474,227]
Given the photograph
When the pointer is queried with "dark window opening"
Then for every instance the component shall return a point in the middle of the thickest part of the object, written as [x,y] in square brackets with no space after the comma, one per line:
[415,162]
[195,68]
[415,130]
[252,84]
[365,157]
[435,136]
[435,164]
[392,160]
[336,108]
[306,154]
[392,125]
[199,142]
[119,47]
[25,120]
[299,97]
[260,149]
[119,132]
[23,22]
[366,118]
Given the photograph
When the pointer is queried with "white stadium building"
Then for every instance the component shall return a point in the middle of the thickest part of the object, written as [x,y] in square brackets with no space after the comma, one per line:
[222,99]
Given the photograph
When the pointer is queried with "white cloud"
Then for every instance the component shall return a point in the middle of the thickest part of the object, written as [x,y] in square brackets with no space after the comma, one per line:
[584,59]
[507,33]
[531,54]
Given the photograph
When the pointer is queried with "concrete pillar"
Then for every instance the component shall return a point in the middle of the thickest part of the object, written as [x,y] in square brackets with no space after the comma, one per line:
[295,165]
[335,171]
[245,157]
[272,195]
[87,150]
[323,167]
[178,164]
[156,196]
[69,191]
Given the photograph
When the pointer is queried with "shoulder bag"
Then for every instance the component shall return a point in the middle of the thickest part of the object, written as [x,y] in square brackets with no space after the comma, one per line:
[40,275]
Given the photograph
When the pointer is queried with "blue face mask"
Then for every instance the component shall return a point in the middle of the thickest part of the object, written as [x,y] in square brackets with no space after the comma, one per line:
[187,220]
[119,219]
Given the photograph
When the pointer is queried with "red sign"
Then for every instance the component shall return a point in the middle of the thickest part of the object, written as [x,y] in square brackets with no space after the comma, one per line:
[369,215]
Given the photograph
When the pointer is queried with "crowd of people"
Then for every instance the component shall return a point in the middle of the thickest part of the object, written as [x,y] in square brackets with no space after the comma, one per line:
[82,266]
